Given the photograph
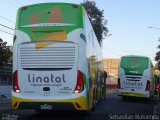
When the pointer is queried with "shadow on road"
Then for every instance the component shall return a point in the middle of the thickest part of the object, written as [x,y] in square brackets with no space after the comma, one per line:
[136,99]
[61,115]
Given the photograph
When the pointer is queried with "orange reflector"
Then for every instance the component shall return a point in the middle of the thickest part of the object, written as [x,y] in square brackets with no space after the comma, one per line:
[78,106]
[15,104]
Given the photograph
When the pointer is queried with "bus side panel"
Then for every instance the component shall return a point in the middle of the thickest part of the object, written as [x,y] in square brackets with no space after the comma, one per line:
[95,64]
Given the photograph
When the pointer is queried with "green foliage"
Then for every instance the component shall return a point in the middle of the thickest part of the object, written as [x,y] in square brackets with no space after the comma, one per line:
[157,57]
[97,20]
[5,53]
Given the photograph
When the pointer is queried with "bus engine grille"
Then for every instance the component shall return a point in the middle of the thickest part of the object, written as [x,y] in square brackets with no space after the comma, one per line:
[47,58]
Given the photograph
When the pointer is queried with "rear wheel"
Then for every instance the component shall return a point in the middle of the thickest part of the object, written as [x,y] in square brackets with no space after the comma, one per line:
[93,104]
[158,96]
[124,97]
[104,96]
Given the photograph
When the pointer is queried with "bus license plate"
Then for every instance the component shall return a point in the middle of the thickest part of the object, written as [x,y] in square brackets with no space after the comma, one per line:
[46,107]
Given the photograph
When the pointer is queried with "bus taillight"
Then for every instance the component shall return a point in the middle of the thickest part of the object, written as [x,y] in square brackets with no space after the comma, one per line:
[24,8]
[15,82]
[80,85]
[75,6]
[148,85]
[119,85]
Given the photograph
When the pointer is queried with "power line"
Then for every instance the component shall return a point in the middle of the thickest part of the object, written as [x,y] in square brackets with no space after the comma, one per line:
[11,3]
[6,32]
[18,2]
[6,27]
[114,53]
[132,51]
[7,19]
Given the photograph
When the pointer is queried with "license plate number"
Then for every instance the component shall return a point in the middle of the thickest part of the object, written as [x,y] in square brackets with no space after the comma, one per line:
[46,107]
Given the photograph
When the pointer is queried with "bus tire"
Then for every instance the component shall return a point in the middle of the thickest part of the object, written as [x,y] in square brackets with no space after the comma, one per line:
[104,97]
[93,103]
[124,97]
[158,96]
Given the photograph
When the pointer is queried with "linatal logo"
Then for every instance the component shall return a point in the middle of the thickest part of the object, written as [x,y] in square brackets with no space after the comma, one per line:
[46,79]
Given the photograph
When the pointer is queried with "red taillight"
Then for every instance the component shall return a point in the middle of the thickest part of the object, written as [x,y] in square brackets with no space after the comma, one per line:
[24,8]
[148,85]
[75,6]
[119,84]
[15,82]
[80,85]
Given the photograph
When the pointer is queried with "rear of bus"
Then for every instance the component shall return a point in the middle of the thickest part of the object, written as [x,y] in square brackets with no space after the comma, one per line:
[134,77]
[46,64]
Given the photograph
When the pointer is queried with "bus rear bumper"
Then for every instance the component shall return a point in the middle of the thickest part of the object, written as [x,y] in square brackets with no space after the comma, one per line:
[134,94]
[70,104]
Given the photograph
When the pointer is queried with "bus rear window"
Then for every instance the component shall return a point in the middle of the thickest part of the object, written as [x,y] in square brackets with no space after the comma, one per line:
[49,15]
[134,62]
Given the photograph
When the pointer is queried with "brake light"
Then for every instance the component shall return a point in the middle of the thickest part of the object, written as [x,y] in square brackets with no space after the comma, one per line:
[119,85]
[148,85]
[75,6]
[15,82]
[80,85]
[24,8]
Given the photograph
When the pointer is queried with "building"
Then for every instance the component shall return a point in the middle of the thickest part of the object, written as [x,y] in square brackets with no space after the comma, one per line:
[111,67]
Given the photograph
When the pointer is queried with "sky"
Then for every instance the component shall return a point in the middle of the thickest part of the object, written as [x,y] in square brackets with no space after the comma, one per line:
[127,21]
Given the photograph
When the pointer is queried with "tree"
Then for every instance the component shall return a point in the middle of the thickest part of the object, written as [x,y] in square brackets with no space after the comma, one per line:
[5,53]
[97,20]
[157,58]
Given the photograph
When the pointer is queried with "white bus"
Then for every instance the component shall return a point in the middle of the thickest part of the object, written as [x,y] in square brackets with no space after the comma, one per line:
[135,77]
[57,60]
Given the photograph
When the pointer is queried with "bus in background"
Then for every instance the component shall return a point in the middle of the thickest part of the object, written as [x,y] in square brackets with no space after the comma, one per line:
[135,77]
[57,60]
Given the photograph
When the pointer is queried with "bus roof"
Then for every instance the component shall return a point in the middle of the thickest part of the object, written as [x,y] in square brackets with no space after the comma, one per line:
[135,56]
[49,3]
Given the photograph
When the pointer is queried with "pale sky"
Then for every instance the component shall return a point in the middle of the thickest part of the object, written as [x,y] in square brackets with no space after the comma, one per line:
[128,22]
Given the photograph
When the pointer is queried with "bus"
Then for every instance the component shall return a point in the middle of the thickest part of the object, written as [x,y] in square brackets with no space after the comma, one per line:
[135,77]
[57,60]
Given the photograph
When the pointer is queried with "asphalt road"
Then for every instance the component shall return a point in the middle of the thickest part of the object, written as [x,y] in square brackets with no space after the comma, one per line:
[112,108]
